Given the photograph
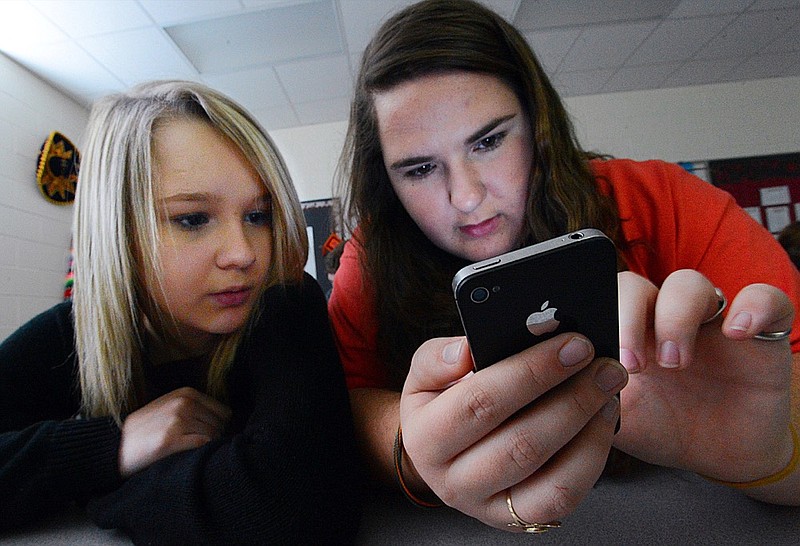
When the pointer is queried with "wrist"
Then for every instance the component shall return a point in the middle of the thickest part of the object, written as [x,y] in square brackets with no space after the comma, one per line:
[404,470]
[789,469]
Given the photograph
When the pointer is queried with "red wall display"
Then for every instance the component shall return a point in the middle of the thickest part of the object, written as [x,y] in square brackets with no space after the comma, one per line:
[767,187]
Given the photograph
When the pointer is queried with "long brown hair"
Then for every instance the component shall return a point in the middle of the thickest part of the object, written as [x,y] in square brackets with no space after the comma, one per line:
[410,275]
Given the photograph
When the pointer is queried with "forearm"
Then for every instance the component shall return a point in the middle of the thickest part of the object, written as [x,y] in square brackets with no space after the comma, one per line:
[49,464]
[376,414]
[263,485]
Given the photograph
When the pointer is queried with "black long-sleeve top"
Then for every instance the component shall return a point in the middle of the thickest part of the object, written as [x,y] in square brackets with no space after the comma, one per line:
[286,471]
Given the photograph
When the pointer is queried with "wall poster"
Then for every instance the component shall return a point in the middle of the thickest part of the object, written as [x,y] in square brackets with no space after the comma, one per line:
[767,187]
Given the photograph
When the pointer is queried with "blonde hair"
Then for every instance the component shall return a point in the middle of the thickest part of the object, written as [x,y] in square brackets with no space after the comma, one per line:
[117,236]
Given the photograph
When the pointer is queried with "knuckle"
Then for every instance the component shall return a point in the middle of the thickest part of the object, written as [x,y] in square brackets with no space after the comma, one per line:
[524,452]
[535,375]
[183,404]
[586,408]
[481,405]
[563,500]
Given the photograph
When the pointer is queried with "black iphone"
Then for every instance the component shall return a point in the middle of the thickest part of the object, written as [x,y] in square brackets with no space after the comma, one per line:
[513,301]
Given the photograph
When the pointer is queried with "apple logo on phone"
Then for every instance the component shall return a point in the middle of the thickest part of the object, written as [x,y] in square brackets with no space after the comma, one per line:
[543,321]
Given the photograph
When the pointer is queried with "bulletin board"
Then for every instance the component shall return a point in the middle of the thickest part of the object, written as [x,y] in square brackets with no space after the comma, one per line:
[767,187]
[321,215]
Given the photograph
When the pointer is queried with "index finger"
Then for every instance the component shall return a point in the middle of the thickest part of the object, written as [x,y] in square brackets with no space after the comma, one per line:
[686,301]
[478,404]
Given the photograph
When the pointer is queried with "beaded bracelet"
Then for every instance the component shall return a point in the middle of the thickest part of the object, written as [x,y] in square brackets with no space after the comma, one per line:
[398,470]
[774,478]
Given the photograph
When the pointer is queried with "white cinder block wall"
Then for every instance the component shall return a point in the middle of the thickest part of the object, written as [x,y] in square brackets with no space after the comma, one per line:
[34,233]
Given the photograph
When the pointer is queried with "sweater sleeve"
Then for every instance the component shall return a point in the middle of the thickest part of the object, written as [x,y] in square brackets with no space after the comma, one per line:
[289,471]
[48,458]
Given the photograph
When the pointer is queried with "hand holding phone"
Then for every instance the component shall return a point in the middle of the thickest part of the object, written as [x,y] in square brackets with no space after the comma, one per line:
[513,301]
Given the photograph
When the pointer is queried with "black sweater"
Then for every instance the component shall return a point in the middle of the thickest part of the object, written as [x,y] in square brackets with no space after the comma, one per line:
[285,472]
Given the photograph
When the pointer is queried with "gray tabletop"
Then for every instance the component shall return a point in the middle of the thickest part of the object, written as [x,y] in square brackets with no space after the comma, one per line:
[652,506]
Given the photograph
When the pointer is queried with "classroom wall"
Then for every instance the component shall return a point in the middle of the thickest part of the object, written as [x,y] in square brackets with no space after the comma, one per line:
[34,233]
[707,122]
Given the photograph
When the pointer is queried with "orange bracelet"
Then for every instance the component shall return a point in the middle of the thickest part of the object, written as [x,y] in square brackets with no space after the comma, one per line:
[398,470]
[774,478]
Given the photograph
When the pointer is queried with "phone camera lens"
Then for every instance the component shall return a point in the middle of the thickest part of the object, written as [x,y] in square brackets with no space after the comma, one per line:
[479,295]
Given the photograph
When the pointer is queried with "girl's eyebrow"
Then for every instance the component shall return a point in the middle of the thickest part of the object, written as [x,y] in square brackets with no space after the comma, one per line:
[187,196]
[410,162]
[205,197]
[477,135]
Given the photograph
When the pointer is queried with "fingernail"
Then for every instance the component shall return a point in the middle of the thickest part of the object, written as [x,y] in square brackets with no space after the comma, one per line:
[574,351]
[609,377]
[610,410]
[741,321]
[628,359]
[452,351]
[669,356]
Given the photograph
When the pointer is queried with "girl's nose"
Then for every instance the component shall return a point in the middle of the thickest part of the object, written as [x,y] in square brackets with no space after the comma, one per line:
[467,191]
[236,250]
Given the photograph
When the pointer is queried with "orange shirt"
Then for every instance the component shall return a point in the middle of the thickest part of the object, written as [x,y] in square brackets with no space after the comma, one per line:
[671,220]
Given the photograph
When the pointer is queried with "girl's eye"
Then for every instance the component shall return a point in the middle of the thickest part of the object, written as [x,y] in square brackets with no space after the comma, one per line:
[192,221]
[421,171]
[259,218]
[490,142]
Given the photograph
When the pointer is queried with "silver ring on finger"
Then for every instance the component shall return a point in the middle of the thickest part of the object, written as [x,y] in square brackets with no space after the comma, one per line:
[773,336]
[722,304]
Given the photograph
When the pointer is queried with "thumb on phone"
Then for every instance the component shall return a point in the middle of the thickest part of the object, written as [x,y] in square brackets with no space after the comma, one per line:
[438,364]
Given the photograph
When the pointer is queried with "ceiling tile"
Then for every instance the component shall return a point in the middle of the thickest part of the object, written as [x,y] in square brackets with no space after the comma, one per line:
[699,8]
[255,89]
[773,4]
[606,46]
[507,9]
[701,72]
[678,40]
[77,73]
[80,18]
[259,4]
[286,59]
[550,46]
[632,78]
[542,14]
[316,79]
[276,118]
[793,70]
[762,66]
[786,42]
[324,111]
[22,25]
[173,12]
[154,57]
[589,82]
[751,32]
[361,19]
[252,39]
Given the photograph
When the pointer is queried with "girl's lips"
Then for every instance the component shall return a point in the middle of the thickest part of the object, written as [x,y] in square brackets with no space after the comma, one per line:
[232,298]
[481,230]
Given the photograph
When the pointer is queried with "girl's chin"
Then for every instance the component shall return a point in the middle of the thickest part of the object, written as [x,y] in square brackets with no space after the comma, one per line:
[477,253]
